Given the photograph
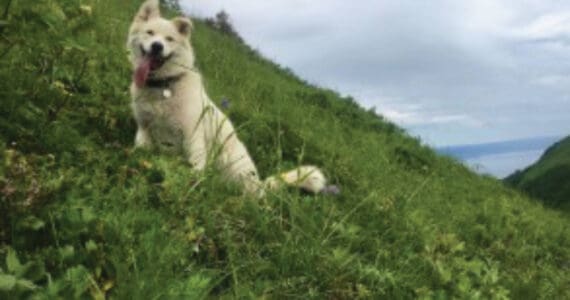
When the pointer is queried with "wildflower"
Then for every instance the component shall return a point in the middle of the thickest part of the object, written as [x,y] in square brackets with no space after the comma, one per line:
[332,190]
[225,103]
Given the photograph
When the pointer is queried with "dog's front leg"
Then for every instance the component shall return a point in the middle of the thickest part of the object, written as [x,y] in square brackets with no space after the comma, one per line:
[142,139]
[196,149]
[143,118]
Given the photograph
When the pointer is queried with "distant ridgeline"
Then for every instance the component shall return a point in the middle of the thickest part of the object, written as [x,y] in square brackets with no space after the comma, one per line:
[549,178]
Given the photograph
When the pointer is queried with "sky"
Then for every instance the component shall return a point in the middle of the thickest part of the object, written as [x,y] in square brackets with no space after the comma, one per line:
[451,72]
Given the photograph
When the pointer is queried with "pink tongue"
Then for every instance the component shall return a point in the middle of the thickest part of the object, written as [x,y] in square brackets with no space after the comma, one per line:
[142,71]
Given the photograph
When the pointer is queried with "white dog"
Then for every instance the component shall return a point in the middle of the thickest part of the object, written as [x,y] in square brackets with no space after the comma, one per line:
[172,109]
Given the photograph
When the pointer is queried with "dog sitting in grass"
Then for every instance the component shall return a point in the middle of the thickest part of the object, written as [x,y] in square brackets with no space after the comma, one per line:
[172,109]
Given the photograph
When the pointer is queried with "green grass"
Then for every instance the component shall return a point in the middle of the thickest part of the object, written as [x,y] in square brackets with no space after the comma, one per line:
[549,178]
[85,216]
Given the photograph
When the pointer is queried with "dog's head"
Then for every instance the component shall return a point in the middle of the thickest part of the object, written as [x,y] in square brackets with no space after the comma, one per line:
[158,46]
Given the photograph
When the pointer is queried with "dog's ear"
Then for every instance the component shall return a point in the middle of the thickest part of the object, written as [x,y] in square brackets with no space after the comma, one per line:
[184,25]
[149,10]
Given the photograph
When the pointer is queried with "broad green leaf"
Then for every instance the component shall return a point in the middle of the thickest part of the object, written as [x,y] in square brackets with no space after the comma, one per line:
[33,223]
[79,278]
[12,262]
[67,251]
[7,282]
[57,11]
[52,14]
[26,285]
[87,214]
[444,273]
[32,271]
[464,284]
[91,246]
[458,247]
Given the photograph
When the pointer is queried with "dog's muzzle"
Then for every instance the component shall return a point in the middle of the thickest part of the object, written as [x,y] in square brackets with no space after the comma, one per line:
[155,55]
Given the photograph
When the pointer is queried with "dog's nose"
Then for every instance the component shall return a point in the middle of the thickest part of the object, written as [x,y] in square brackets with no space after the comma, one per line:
[156,48]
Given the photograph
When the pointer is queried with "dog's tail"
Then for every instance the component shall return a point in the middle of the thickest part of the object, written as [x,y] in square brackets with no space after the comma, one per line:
[307,178]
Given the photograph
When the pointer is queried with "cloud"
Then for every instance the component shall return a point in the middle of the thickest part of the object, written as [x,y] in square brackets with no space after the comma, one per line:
[554,81]
[414,118]
[550,28]
[450,71]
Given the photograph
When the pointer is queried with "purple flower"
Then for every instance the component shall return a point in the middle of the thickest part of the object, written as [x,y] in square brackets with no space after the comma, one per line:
[225,104]
[331,190]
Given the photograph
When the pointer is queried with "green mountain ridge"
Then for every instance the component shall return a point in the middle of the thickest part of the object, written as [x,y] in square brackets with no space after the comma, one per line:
[549,178]
[85,216]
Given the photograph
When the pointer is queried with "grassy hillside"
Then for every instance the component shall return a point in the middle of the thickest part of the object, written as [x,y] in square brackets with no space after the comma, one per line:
[85,216]
[549,178]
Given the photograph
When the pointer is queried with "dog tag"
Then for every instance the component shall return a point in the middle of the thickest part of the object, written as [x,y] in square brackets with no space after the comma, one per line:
[167,93]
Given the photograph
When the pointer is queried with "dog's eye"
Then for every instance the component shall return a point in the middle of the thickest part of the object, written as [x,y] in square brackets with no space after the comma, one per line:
[170,39]
[150,32]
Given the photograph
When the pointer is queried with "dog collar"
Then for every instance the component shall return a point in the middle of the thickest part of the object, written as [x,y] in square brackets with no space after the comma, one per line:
[163,83]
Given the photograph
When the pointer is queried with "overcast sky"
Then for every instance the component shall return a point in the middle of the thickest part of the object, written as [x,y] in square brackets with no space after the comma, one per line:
[452,72]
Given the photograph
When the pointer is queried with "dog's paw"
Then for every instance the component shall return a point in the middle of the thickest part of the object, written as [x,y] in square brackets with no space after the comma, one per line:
[331,190]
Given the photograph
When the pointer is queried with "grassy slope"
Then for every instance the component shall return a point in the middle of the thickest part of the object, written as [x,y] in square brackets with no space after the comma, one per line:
[549,178]
[88,216]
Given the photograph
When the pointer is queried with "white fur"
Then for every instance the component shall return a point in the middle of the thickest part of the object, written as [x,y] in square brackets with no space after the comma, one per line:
[187,120]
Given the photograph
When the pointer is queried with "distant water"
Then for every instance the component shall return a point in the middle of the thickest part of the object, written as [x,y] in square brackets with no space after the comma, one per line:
[504,164]
[501,159]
